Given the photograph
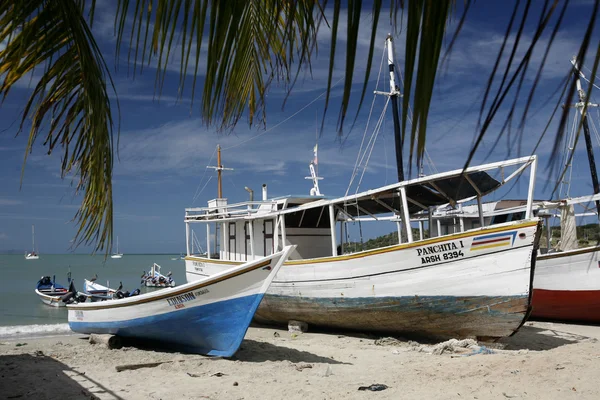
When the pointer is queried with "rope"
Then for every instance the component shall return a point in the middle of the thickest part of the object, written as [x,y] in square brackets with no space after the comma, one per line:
[285,120]
[201,179]
[356,163]
[372,143]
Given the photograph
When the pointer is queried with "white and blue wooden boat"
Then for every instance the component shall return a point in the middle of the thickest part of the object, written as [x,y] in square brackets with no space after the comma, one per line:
[50,292]
[98,292]
[154,278]
[210,316]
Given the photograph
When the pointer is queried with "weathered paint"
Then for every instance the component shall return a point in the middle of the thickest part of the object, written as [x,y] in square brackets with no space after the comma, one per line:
[433,316]
[377,285]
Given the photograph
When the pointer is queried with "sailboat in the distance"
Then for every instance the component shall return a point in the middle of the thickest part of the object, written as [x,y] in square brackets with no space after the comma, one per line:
[32,255]
[117,254]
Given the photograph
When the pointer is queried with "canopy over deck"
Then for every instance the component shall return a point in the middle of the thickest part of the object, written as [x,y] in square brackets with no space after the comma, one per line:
[421,193]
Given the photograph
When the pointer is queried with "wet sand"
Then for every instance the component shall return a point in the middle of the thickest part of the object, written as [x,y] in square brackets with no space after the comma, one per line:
[542,361]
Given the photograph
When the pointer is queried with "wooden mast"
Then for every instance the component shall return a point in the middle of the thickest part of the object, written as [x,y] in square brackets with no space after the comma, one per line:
[586,131]
[394,95]
[220,170]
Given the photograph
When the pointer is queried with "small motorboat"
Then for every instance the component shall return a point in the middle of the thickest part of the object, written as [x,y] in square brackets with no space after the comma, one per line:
[56,295]
[154,278]
[98,292]
[208,316]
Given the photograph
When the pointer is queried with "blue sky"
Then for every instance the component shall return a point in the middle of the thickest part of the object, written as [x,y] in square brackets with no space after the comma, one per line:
[164,147]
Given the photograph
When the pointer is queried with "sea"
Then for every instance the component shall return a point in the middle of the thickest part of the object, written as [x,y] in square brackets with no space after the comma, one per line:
[22,313]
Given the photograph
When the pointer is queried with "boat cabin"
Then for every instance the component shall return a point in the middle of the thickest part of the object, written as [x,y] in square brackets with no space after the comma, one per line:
[317,224]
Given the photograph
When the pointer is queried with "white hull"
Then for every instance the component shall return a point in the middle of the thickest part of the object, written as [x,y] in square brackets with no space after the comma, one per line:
[31,257]
[117,256]
[461,282]
[53,301]
[209,316]
[567,285]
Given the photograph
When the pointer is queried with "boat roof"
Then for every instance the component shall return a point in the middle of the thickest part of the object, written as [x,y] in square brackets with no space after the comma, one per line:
[449,187]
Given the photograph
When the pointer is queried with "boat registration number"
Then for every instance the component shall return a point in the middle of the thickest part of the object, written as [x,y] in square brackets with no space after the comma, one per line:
[441,252]
[79,315]
[177,301]
[198,266]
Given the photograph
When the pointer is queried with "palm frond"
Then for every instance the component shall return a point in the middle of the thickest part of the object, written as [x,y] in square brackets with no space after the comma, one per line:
[69,106]
[250,43]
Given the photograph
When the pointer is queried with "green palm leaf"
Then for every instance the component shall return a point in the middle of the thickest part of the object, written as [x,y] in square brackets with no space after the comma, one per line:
[69,106]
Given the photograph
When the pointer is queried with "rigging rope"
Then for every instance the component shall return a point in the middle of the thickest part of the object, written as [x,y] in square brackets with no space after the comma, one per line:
[285,120]
[201,179]
[356,163]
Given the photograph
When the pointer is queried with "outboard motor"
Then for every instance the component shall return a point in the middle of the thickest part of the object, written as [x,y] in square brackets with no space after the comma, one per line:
[68,298]
[71,295]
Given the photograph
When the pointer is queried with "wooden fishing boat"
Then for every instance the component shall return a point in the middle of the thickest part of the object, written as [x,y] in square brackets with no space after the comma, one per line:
[210,316]
[50,292]
[154,278]
[98,292]
[470,283]
[566,285]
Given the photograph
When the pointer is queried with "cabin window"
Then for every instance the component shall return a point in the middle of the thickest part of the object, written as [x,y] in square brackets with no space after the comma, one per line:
[247,246]
[232,247]
[268,237]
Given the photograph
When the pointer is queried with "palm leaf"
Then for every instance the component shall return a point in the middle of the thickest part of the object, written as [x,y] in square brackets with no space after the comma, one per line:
[69,105]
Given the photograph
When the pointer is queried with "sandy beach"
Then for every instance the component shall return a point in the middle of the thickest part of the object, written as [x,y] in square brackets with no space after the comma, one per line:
[542,361]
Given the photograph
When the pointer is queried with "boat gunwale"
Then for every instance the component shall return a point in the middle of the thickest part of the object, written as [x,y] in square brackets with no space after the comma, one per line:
[567,253]
[150,297]
[382,250]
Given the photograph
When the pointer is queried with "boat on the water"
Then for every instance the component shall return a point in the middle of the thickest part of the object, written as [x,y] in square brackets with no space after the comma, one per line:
[56,295]
[50,292]
[154,278]
[32,255]
[117,254]
[98,292]
[210,316]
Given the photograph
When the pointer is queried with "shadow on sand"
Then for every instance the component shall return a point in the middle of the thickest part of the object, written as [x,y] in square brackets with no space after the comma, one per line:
[534,338]
[255,351]
[26,376]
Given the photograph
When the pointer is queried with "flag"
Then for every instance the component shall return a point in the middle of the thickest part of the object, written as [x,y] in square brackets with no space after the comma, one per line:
[315,160]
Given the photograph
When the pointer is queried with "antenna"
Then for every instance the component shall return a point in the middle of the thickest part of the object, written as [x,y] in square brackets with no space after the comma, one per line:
[219,168]
[314,176]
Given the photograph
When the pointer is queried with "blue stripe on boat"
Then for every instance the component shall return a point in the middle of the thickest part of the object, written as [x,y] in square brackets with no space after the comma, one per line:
[216,329]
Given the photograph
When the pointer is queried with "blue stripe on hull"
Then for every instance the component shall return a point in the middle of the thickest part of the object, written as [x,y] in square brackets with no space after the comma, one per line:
[215,329]
[435,316]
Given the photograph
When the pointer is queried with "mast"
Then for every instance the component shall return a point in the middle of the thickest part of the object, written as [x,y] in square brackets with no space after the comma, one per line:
[394,94]
[219,168]
[33,238]
[586,131]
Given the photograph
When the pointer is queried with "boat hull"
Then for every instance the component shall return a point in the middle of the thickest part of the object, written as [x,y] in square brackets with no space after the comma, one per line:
[567,286]
[53,301]
[207,317]
[475,283]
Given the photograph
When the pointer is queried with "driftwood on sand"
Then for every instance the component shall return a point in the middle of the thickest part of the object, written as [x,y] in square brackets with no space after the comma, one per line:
[126,367]
[110,341]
